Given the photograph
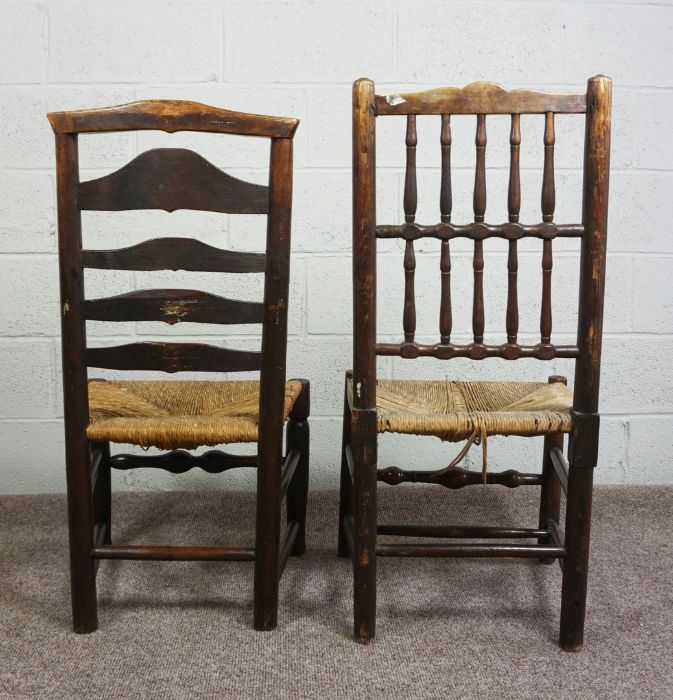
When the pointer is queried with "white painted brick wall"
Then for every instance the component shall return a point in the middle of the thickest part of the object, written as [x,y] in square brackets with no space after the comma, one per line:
[299,57]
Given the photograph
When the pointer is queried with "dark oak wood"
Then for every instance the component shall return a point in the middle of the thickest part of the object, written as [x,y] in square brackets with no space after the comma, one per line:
[173,306]
[173,553]
[363,448]
[181,461]
[513,208]
[458,478]
[174,254]
[460,531]
[479,98]
[476,351]
[584,441]
[469,550]
[174,357]
[358,510]
[171,116]
[272,388]
[171,179]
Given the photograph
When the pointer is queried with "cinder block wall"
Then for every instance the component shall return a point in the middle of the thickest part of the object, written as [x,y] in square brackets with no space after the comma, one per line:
[299,58]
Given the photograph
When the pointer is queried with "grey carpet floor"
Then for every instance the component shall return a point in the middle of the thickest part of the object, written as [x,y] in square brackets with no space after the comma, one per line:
[447,628]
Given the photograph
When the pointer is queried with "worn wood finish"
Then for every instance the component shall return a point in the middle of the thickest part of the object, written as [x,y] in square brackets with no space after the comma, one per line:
[358,527]
[75,392]
[171,179]
[174,254]
[171,116]
[479,98]
[272,388]
[174,357]
[363,445]
[480,231]
[173,306]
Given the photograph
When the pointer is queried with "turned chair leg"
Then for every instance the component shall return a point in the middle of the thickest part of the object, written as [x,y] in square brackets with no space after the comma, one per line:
[80,522]
[297,436]
[346,487]
[576,564]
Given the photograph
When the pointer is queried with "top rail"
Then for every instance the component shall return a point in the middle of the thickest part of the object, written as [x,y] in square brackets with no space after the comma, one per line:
[171,116]
[480,98]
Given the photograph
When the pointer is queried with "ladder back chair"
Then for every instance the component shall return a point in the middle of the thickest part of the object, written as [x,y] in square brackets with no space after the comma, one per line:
[183,414]
[471,411]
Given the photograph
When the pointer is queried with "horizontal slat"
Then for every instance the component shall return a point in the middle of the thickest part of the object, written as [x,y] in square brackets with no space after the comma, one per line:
[172,553]
[457,477]
[173,357]
[174,254]
[479,231]
[181,461]
[470,550]
[480,98]
[476,351]
[173,306]
[170,179]
[171,116]
[457,531]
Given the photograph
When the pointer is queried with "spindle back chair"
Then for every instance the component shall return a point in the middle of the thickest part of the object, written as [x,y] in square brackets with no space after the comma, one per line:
[474,410]
[178,414]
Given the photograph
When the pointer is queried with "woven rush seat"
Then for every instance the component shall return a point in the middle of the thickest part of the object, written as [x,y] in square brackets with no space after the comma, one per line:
[178,414]
[456,411]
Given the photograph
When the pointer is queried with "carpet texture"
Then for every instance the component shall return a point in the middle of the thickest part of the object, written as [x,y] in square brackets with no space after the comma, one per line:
[446,629]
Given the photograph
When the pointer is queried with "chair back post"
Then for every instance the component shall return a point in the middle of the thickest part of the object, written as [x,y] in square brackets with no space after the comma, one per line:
[364,245]
[593,251]
[272,379]
[75,393]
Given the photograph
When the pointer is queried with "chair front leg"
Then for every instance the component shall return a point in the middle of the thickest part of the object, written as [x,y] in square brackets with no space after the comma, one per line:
[363,454]
[267,530]
[80,526]
[577,537]
[297,437]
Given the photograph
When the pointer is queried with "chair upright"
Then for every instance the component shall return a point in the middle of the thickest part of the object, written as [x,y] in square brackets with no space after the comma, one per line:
[473,410]
[179,414]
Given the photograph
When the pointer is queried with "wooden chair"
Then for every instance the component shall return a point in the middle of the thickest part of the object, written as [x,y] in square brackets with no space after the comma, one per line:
[473,410]
[179,414]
